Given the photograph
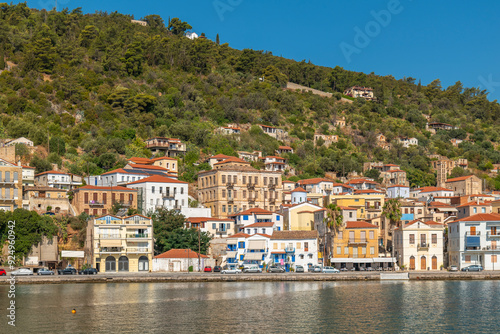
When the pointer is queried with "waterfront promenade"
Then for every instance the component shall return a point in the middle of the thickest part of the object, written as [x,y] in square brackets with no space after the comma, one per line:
[263,277]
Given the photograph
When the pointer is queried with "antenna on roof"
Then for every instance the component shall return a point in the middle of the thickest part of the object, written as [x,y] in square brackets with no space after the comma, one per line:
[431,199]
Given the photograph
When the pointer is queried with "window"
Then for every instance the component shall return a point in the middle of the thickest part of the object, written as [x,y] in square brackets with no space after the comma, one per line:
[223,208]
[467,258]
[346,250]
[223,178]
[241,244]
[282,245]
[241,257]
[223,194]
[306,246]
[363,236]
[339,249]
[182,191]
[229,209]
[483,210]
[350,214]
[265,180]
[372,250]
[104,198]
[363,250]
[244,179]
[298,245]
[434,238]
[341,235]
[214,226]
[351,236]
[412,239]
[475,210]
[256,180]
[86,198]
[372,234]
[493,259]
[275,245]
[153,190]
[472,230]
[244,194]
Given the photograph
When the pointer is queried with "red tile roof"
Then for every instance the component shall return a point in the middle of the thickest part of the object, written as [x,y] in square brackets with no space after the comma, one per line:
[359,224]
[286,181]
[266,224]
[28,167]
[52,172]
[140,166]
[299,190]
[197,220]
[139,160]
[256,211]
[274,157]
[180,254]
[158,179]
[430,223]
[474,203]
[398,185]
[367,191]
[481,217]
[285,148]
[357,181]
[220,156]
[431,189]
[239,235]
[461,178]
[121,170]
[232,159]
[346,208]
[163,158]
[88,187]
[313,181]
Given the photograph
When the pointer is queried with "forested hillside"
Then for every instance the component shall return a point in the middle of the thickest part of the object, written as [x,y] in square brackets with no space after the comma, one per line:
[94,87]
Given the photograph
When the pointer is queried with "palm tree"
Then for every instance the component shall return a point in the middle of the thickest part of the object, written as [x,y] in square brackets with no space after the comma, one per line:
[392,211]
[333,222]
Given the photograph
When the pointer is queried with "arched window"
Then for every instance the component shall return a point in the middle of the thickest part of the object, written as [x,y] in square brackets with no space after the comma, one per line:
[110,263]
[143,263]
[123,263]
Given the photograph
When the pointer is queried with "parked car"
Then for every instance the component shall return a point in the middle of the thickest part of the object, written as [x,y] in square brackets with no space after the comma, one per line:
[474,267]
[453,268]
[252,269]
[344,269]
[67,271]
[217,269]
[207,269]
[330,270]
[88,271]
[227,270]
[45,271]
[22,272]
[316,269]
[299,269]
[370,269]
[3,272]
[275,269]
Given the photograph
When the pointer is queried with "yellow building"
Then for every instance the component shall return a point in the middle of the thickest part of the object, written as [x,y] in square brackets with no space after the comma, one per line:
[234,186]
[356,245]
[362,202]
[120,244]
[300,217]
[11,186]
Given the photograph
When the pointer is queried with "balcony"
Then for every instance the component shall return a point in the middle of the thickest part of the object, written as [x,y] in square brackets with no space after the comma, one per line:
[109,236]
[110,250]
[96,204]
[8,181]
[137,250]
[251,199]
[6,199]
[357,242]
[272,200]
[230,184]
[272,186]
[423,246]
[289,249]
[493,234]
[251,185]
[168,195]
[473,241]
[137,235]
[230,200]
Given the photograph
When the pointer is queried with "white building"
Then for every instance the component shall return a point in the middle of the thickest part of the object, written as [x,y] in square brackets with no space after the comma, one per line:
[176,260]
[28,176]
[318,186]
[275,164]
[407,142]
[21,140]
[398,191]
[474,240]
[191,35]
[258,215]
[161,192]
[263,228]
[299,195]
[293,248]
[60,180]
[217,227]
[426,193]
[419,245]
[244,249]
[117,177]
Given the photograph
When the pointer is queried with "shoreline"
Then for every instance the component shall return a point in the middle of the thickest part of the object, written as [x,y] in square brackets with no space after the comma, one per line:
[265,277]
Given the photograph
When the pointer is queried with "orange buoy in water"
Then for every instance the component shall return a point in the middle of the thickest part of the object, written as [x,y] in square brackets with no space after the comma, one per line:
[73,311]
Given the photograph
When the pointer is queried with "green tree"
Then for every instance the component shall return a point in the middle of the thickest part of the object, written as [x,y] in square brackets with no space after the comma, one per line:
[57,145]
[165,223]
[373,174]
[391,211]
[333,222]
[272,74]
[178,27]
[217,40]
[2,57]
[155,21]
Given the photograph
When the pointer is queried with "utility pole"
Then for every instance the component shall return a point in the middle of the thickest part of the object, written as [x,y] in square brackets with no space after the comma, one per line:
[199,246]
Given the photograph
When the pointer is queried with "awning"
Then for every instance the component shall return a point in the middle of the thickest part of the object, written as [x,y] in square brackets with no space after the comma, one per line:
[363,260]
[231,254]
[473,241]
[254,256]
[256,244]
[232,241]
[384,259]
[72,253]
[111,243]
[446,210]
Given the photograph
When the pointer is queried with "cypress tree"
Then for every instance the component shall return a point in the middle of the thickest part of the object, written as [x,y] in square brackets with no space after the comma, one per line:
[2,60]
[217,40]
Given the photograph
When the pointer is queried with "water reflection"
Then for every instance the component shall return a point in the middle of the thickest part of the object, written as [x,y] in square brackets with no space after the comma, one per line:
[274,307]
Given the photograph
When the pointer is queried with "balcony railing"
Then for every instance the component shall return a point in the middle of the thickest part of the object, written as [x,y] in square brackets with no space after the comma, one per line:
[8,199]
[357,241]
[229,184]
[493,234]
[110,250]
[469,234]
[251,199]
[169,195]
[423,245]
[137,235]
[272,185]
[109,236]
[230,200]
[251,185]
[96,203]
[8,181]
[289,249]
[137,250]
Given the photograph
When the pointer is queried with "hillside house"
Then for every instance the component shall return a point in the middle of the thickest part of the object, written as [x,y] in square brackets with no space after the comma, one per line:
[362,92]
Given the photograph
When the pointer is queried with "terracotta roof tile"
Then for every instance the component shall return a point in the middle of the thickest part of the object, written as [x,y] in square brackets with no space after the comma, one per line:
[158,179]
[359,224]
[294,235]
[481,217]
[180,254]
[461,178]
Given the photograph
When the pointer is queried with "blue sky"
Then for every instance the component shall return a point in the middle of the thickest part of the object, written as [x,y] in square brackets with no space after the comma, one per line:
[423,39]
